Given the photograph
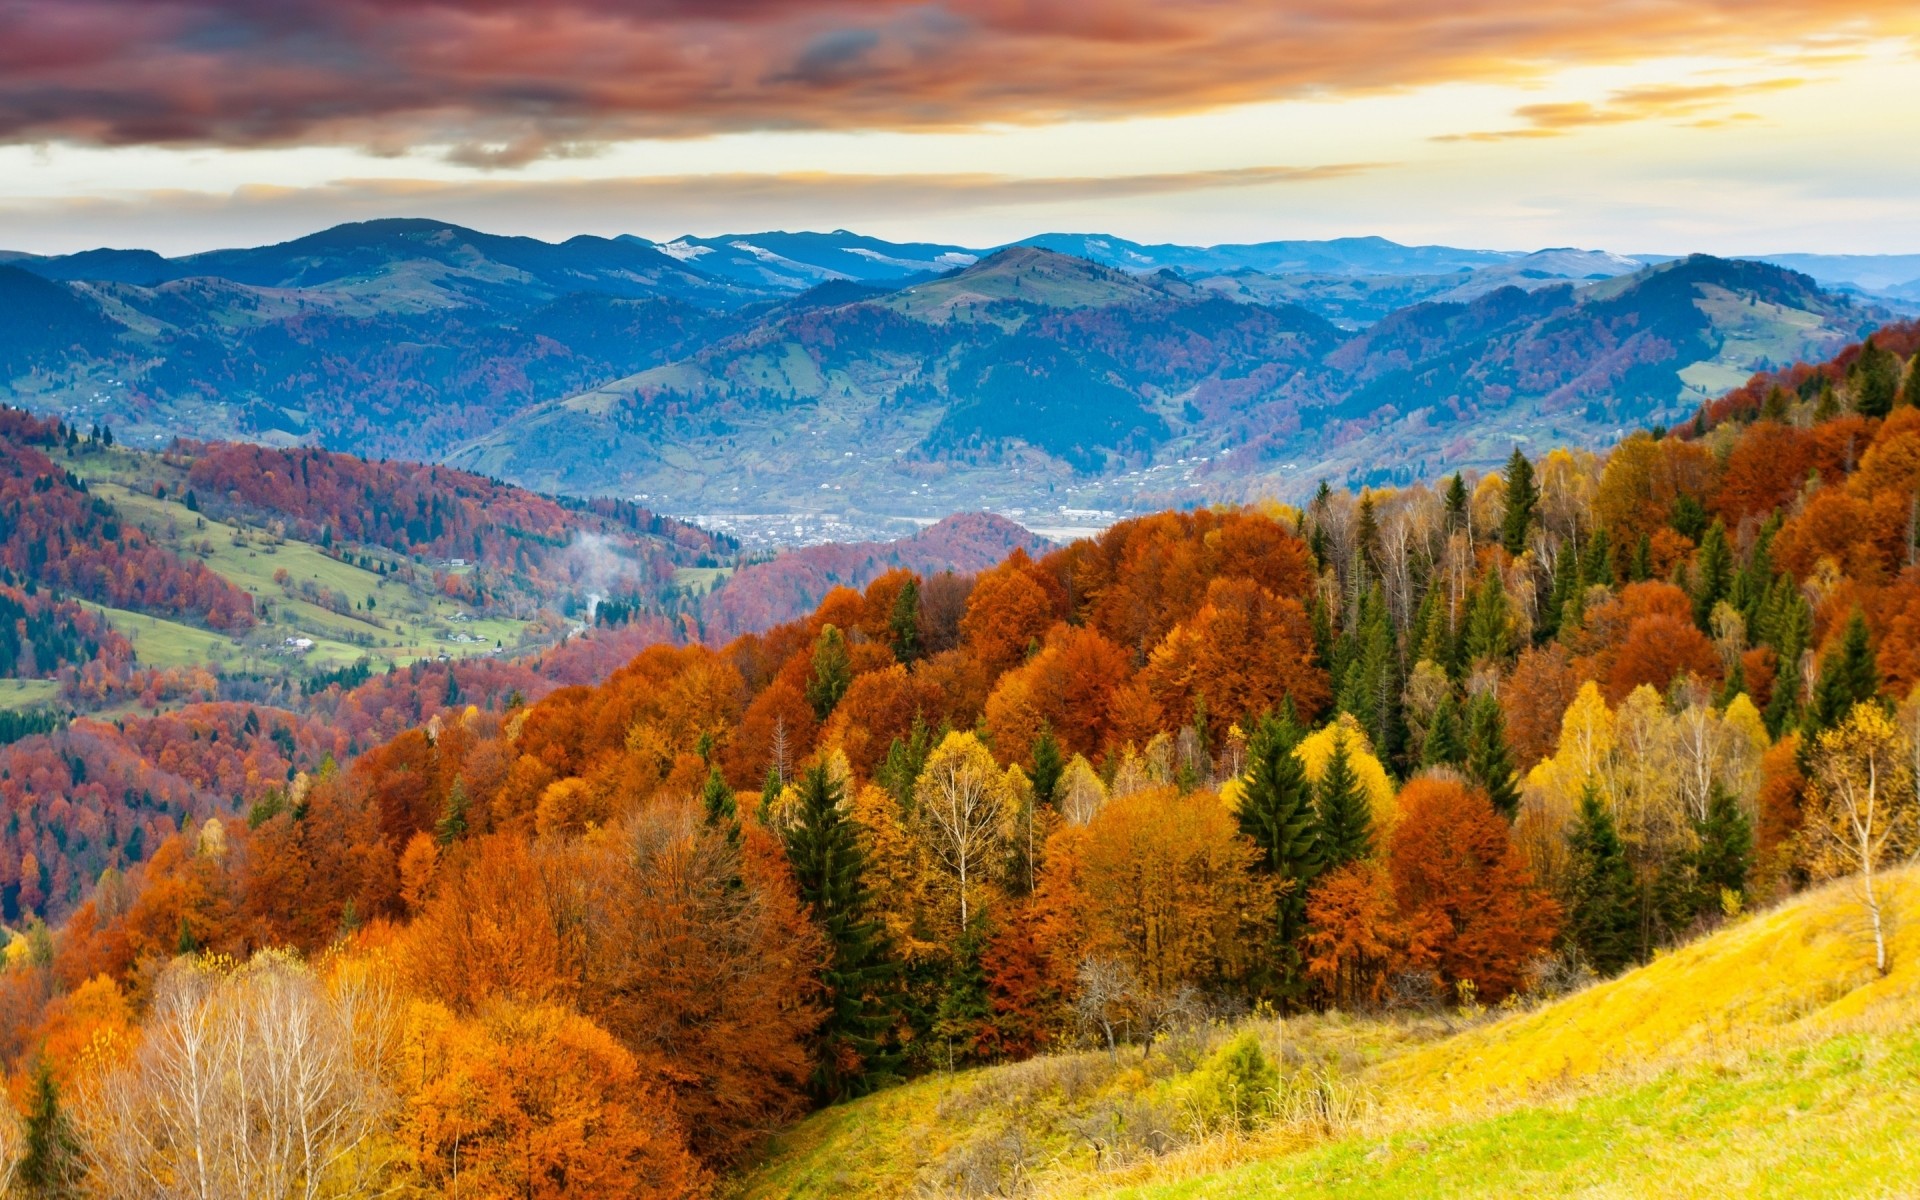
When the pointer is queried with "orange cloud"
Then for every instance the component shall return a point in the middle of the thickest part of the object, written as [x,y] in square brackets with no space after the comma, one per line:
[504,82]
[1657,102]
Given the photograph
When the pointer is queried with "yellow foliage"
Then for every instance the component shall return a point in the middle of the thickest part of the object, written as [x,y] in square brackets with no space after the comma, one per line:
[1803,971]
[1315,751]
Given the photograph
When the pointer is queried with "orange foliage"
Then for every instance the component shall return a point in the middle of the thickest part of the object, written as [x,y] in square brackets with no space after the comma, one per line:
[1458,878]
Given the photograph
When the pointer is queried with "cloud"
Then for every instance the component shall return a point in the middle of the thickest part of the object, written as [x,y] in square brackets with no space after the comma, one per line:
[507,81]
[1702,102]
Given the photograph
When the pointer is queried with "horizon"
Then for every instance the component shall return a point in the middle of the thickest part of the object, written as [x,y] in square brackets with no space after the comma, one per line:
[1649,257]
[1732,127]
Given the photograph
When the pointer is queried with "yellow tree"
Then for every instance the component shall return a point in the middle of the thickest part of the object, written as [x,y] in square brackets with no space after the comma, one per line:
[1862,813]
[961,805]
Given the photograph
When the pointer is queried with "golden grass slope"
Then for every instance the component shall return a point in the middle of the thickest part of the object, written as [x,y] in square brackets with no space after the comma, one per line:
[1768,1059]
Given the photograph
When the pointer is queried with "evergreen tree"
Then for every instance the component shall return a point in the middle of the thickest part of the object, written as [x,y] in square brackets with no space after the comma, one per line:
[1875,376]
[829,872]
[1566,582]
[1343,817]
[1456,500]
[1489,758]
[1599,565]
[50,1167]
[1910,392]
[1522,497]
[1446,744]
[832,672]
[452,825]
[1848,676]
[1489,633]
[1369,681]
[964,1008]
[1603,908]
[769,793]
[1642,568]
[1725,856]
[1777,405]
[1047,765]
[904,622]
[906,758]
[1713,574]
[1277,816]
[717,799]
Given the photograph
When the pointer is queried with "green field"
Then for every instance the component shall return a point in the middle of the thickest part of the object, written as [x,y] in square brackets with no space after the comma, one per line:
[27,693]
[404,623]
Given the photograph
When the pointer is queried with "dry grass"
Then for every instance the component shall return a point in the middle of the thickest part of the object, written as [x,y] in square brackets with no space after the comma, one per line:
[1768,1059]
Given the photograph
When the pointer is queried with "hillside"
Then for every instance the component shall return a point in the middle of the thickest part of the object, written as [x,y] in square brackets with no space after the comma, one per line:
[1672,1080]
[1039,385]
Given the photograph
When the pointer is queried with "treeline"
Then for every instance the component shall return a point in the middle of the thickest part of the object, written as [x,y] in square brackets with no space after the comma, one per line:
[1454,744]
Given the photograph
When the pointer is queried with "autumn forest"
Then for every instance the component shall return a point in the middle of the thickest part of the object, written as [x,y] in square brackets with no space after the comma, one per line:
[597,922]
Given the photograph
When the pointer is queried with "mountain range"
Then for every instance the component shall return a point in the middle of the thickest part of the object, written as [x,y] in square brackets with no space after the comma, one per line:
[1061,380]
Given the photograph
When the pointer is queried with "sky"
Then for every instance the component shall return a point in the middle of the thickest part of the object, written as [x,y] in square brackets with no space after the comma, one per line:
[1640,126]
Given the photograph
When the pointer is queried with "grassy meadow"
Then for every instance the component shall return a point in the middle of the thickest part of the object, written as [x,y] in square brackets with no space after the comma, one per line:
[1768,1059]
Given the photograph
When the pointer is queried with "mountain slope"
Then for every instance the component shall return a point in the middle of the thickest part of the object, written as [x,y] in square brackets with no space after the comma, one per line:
[1670,1080]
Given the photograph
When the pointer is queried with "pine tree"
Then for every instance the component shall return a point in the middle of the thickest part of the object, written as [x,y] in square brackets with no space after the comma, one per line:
[50,1167]
[1489,758]
[1047,765]
[1713,574]
[1446,744]
[1725,855]
[832,672]
[1848,676]
[769,794]
[1642,568]
[1344,819]
[1603,907]
[1910,392]
[829,872]
[1522,497]
[904,622]
[1276,815]
[452,825]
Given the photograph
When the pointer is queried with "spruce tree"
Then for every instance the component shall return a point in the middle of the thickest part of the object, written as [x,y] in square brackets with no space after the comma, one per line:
[1875,376]
[1489,758]
[769,793]
[1725,855]
[1277,816]
[1713,574]
[1603,907]
[1522,497]
[452,825]
[1343,816]
[832,672]
[717,799]
[903,625]
[1566,581]
[1489,633]
[1446,744]
[50,1167]
[1047,766]
[1848,676]
[1456,500]
[829,872]
[1599,565]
